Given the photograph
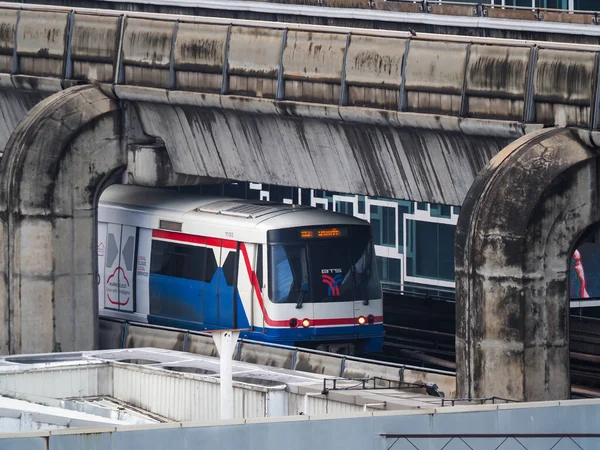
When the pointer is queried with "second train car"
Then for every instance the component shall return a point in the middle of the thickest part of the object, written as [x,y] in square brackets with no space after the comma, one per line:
[283,273]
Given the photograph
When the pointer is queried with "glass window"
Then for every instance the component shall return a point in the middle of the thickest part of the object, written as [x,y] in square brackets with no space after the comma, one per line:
[345,208]
[289,274]
[329,270]
[446,251]
[440,211]
[389,270]
[426,240]
[259,266]
[404,207]
[587,5]
[552,4]
[305,197]
[389,226]
[422,206]
[375,224]
[346,271]
[521,3]
[383,224]
[229,268]
[394,268]
[180,261]
[431,250]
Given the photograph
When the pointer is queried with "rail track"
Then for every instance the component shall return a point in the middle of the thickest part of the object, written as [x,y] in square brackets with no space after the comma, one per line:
[423,335]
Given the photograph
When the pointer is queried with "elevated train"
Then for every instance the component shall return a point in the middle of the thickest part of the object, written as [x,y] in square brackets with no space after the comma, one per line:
[286,274]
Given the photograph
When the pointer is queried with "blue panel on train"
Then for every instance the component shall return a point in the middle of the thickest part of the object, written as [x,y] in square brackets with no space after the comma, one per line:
[177,298]
[208,304]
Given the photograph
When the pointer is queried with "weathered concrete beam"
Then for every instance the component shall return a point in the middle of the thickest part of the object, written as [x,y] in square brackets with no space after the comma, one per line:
[461,77]
[150,165]
[56,159]
[415,164]
[14,105]
[516,232]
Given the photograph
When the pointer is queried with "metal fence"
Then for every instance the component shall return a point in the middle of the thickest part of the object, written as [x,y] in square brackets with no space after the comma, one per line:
[582,441]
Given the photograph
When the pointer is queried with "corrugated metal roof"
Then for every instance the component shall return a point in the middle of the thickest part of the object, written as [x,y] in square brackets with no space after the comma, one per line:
[146,385]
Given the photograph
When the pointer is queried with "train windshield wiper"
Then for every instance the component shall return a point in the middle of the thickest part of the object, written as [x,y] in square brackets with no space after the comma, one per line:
[301,296]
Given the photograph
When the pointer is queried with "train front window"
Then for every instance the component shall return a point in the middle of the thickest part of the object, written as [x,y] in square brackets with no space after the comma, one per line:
[323,270]
[289,274]
[345,270]
[368,285]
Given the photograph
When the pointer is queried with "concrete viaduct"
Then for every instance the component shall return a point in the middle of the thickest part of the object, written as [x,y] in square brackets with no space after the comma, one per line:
[424,16]
[508,129]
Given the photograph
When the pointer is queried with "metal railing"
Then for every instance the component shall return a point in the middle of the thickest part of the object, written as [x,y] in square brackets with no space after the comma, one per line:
[477,401]
[126,325]
[537,441]
[481,8]
[374,383]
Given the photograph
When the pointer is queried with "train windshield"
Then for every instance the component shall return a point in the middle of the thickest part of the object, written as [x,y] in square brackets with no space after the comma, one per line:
[323,270]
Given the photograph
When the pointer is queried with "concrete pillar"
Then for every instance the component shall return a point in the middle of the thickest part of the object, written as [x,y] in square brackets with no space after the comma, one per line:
[225,341]
[515,236]
[53,165]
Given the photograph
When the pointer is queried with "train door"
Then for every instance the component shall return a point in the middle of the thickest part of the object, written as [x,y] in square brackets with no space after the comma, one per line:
[119,267]
[223,309]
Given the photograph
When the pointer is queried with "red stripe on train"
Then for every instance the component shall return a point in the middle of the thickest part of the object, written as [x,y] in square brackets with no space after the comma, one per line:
[193,239]
[216,242]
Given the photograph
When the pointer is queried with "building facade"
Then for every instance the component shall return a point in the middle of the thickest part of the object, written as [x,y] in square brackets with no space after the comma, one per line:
[570,5]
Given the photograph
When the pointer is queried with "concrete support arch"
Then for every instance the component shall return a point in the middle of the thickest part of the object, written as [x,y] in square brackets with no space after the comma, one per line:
[514,239]
[54,162]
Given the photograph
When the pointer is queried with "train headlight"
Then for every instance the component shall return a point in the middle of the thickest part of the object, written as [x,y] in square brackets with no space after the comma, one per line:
[306,323]
[293,323]
[362,320]
[371,319]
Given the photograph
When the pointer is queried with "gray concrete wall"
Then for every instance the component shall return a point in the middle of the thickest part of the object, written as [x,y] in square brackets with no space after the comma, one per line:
[516,233]
[465,19]
[359,72]
[426,430]
[56,159]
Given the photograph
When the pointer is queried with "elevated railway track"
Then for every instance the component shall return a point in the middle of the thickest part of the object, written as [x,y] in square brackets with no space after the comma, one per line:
[422,334]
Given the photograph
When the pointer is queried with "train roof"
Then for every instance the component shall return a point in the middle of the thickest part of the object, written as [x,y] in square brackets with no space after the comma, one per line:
[233,211]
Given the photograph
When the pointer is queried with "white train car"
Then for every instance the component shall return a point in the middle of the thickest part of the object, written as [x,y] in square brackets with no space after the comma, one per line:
[285,274]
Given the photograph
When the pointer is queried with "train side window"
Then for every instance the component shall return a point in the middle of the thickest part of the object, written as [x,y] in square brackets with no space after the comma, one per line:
[160,259]
[229,268]
[210,266]
[259,265]
[180,261]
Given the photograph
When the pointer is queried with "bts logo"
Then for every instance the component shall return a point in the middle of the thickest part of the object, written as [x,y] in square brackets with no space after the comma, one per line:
[332,278]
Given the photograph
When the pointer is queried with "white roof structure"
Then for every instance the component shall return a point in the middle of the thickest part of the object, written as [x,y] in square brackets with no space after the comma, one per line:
[149,385]
[248,214]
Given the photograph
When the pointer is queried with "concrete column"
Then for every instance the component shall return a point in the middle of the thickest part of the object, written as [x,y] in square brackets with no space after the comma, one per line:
[53,165]
[514,240]
[225,341]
